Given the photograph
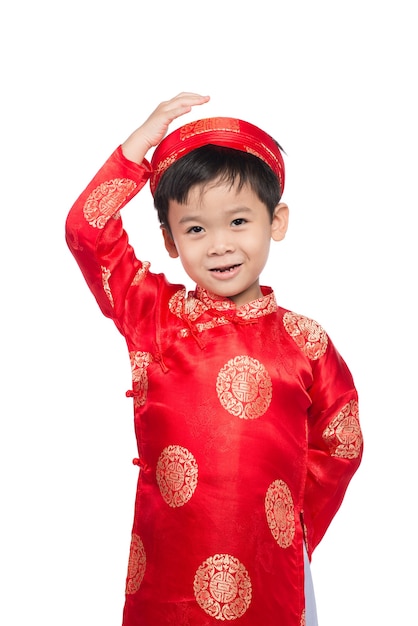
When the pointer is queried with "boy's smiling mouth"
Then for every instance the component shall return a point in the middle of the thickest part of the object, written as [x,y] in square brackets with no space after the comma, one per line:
[226,268]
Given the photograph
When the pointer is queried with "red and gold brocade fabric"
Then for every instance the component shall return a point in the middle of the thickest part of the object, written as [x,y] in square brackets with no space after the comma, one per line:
[247,427]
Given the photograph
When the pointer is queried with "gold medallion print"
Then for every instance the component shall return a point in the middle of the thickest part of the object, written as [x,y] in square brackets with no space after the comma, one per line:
[177,473]
[343,435]
[106,200]
[139,363]
[222,587]
[244,387]
[136,565]
[280,513]
[308,335]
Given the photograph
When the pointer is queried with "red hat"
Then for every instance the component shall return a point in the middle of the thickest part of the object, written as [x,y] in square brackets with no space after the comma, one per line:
[220,131]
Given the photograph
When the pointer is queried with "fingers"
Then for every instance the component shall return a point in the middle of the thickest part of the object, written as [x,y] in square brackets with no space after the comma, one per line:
[179,105]
[156,126]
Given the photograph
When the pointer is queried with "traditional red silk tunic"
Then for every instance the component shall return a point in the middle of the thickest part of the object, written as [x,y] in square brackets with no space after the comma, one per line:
[247,426]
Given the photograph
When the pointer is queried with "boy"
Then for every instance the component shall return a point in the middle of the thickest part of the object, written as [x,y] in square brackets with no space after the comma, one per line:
[246,416]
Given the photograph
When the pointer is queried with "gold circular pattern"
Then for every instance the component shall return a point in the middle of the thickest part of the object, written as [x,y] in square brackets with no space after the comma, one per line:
[307,334]
[136,565]
[177,474]
[280,513]
[343,434]
[244,387]
[139,364]
[222,587]
[105,201]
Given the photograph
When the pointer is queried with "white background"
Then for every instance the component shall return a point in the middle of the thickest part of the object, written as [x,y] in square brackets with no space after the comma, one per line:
[335,83]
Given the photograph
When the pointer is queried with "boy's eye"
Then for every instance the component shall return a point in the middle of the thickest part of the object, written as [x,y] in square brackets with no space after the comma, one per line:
[195,229]
[239,221]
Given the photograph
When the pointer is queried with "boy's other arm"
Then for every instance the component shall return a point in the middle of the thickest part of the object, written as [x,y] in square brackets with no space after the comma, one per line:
[335,443]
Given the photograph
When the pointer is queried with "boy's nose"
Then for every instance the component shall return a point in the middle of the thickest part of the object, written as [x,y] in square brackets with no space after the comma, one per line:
[219,246]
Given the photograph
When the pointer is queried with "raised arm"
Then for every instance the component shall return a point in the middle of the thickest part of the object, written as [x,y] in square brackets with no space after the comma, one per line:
[154,129]
[94,230]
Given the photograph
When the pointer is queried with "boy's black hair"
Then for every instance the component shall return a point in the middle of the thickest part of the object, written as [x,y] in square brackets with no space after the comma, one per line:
[209,163]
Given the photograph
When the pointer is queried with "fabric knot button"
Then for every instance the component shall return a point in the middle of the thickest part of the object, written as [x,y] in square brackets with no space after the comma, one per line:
[140,463]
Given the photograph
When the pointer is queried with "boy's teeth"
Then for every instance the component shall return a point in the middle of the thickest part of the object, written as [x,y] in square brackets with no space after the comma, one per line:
[225,269]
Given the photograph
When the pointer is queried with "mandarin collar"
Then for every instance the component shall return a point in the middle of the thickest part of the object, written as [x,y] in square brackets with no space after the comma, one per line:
[261,306]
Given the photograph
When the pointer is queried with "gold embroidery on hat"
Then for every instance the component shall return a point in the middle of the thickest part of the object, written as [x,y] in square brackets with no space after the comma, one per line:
[209,125]
[222,587]
[139,363]
[136,565]
[106,274]
[343,435]
[280,513]
[273,157]
[308,334]
[162,166]
[177,474]
[244,387]
[106,200]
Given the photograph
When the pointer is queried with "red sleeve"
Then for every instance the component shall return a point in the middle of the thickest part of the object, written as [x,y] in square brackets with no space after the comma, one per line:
[335,442]
[95,235]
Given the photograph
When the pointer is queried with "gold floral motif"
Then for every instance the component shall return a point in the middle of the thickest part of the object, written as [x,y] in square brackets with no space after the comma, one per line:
[209,125]
[177,474]
[222,587]
[280,513]
[181,306]
[139,363]
[258,308]
[201,326]
[176,302]
[343,434]
[136,565]
[106,200]
[251,310]
[195,304]
[106,274]
[162,166]
[141,273]
[244,387]
[308,334]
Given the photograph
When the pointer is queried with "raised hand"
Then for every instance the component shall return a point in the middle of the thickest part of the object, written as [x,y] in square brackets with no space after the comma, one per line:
[155,127]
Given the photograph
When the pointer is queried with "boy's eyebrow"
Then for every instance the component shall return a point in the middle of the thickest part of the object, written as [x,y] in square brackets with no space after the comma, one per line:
[195,218]
[189,218]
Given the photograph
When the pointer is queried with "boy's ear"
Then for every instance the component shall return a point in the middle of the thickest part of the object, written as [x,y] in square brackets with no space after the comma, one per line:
[280,222]
[170,246]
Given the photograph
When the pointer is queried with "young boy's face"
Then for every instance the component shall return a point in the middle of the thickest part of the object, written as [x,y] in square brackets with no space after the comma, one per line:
[222,237]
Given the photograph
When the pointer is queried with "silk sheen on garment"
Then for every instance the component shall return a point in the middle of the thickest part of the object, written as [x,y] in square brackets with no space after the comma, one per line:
[246,421]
